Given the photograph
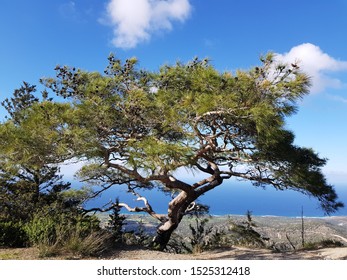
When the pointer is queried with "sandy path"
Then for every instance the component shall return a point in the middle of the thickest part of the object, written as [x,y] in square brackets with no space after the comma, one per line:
[236,253]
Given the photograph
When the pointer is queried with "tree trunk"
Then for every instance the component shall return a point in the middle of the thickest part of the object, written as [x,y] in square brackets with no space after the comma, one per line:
[163,235]
[176,211]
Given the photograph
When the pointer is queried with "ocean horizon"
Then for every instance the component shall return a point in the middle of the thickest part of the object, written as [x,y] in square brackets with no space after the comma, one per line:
[232,198]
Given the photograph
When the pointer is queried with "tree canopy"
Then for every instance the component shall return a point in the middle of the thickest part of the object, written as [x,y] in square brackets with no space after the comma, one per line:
[138,127]
[30,156]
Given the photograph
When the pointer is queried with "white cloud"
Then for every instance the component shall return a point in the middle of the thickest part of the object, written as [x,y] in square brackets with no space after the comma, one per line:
[134,21]
[317,64]
[338,98]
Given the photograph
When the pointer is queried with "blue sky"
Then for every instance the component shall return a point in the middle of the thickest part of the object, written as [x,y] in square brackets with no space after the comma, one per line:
[36,35]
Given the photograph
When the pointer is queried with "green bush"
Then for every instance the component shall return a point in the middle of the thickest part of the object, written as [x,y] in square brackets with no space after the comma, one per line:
[245,234]
[71,232]
[177,245]
[50,229]
[199,234]
[326,243]
[41,230]
[12,234]
[219,238]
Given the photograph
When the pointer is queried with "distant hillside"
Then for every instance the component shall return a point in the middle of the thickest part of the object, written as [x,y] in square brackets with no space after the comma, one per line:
[280,230]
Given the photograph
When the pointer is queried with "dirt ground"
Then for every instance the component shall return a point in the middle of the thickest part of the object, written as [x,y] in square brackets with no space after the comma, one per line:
[235,253]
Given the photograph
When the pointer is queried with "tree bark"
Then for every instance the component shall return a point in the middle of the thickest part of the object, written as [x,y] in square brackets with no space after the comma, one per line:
[176,211]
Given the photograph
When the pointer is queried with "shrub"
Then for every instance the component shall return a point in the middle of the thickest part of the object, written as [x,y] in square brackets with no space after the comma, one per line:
[177,245]
[72,232]
[12,234]
[218,238]
[326,243]
[41,230]
[244,233]
[138,236]
[199,234]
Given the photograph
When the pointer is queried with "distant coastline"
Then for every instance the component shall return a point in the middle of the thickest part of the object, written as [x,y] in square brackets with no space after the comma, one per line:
[235,198]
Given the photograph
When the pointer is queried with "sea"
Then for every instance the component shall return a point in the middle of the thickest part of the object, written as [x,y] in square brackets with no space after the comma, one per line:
[232,198]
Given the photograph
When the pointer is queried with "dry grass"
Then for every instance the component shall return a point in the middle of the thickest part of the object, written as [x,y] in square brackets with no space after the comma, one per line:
[19,254]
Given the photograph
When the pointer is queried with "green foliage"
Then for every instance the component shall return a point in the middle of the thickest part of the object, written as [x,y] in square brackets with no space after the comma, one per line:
[12,234]
[76,246]
[159,122]
[30,154]
[138,127]
[199,232]
[219,238]
[41,230]
[116,223]
[202,237]
[22,99]
[178,245]
[326,243]
[36,206]
[70,232]
[199,210]
[23,191]
[55,227]
[244,233]
[38,137]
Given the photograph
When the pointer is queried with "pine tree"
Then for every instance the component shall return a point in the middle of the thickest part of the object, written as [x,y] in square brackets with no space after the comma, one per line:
[116,222]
